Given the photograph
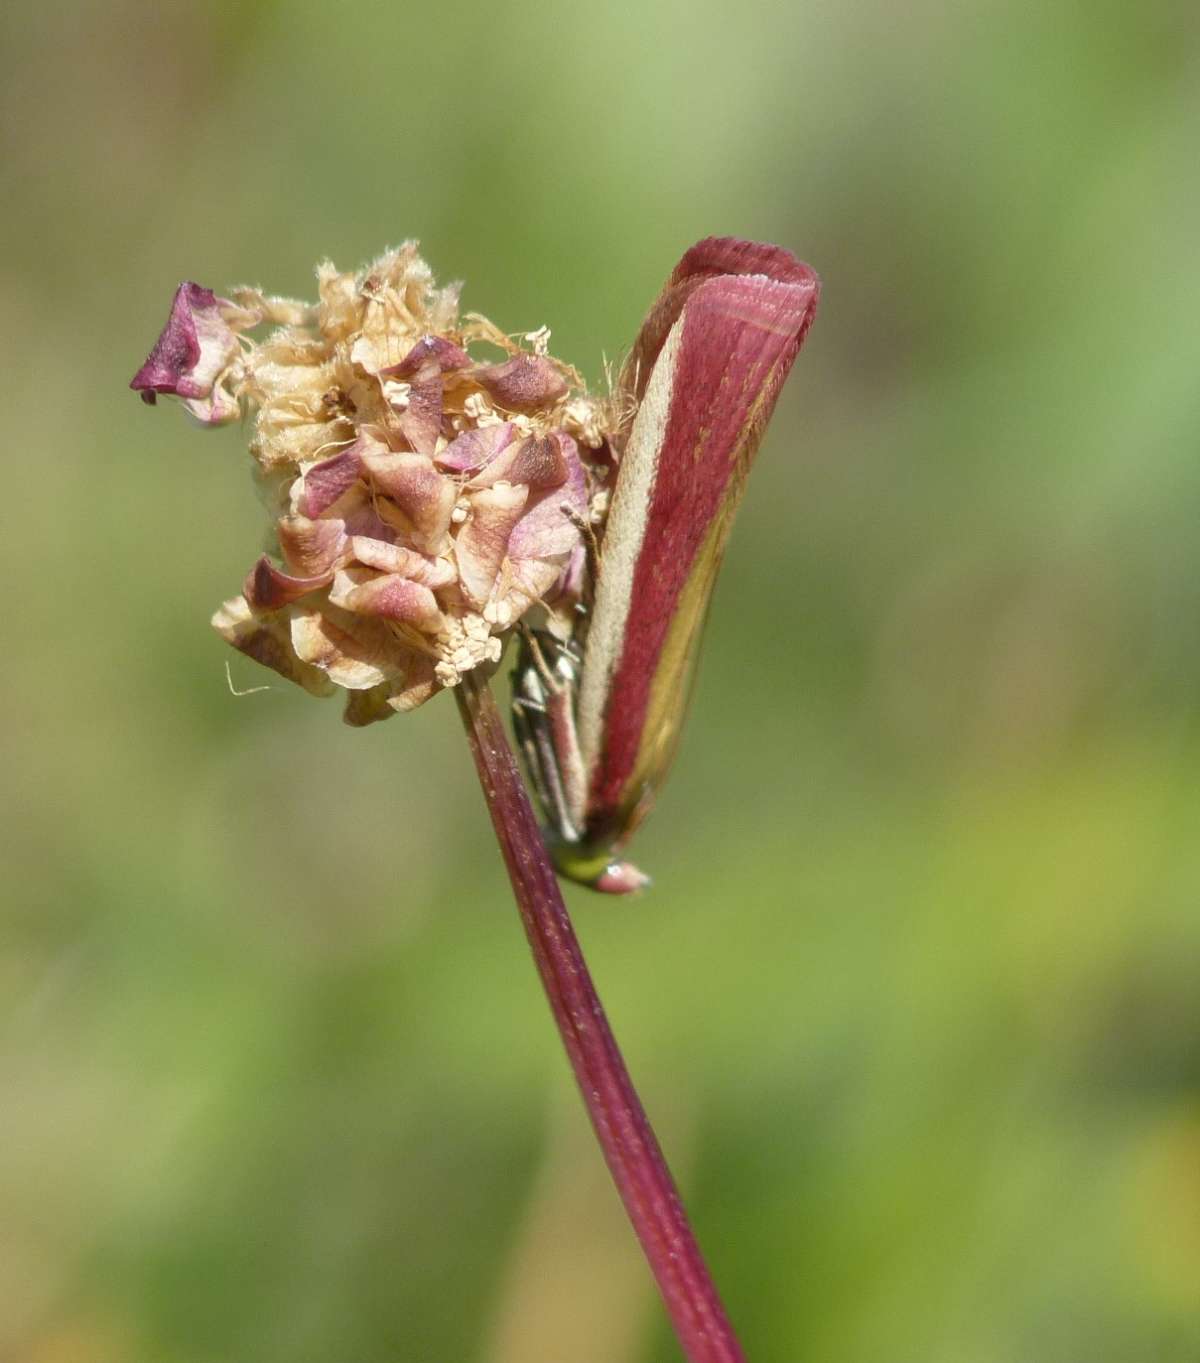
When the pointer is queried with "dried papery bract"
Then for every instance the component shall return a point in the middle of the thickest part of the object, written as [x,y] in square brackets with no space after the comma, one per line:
[422,499]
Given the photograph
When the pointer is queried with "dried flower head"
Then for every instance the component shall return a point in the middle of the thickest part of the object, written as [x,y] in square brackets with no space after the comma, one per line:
[422,501]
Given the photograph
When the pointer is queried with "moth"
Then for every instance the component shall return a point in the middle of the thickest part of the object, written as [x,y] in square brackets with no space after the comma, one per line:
[598,717]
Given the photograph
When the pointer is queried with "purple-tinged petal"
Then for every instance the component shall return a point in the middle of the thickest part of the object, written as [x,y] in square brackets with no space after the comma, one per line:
[267,641]
[395,558]
[537,461]
[367,707]
[387,595]
[445,355]
[482,543]
[550,525]
[193,351]
[325,482]
[420,682]
[358,514]
[475,449]
[419,410]
[423,496]
[353,651]
[311,548]
[522,384]
[268,589]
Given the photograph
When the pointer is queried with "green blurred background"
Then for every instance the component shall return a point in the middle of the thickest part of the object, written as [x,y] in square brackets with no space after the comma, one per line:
[915,997]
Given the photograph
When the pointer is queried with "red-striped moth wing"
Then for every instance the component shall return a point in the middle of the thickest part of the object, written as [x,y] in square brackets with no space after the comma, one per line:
[705,372]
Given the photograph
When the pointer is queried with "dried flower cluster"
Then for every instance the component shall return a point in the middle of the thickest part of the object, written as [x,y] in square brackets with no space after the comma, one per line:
[422,500]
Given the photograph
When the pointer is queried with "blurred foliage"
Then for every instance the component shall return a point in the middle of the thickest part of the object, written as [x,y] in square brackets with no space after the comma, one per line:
[914,997]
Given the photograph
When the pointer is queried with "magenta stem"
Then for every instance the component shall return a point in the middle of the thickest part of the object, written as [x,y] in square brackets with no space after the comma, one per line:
[622,1128]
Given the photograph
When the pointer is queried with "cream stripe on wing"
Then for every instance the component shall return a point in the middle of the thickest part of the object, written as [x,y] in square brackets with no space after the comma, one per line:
[624,532]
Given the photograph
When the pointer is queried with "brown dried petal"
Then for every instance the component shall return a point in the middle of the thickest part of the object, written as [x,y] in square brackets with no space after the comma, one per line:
[445,355]
[194,349]
[353,651]
[387,595]
[537,461]
[522,384]
[267,588]
[394,558]
[550,526]
[309,547]
[420,683]
[483,541]
[325,482]
[267,641]
[475,449]
[420,418]
[423,496]
[366,707]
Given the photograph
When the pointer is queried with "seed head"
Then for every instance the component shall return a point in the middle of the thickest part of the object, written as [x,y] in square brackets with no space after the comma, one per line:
[422,501]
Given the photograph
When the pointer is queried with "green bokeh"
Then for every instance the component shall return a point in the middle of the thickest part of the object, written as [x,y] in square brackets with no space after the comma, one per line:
[915,996]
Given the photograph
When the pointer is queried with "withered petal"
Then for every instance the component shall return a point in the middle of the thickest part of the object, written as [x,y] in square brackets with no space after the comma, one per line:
[267,641]
[444,354]
[387,595]
[421,418]
[193,348]
[395,558]
[522,384]
[309,547]
[475,449]
[325,482]
[550,524]
[268,589]
[352,650]
[424,497]
[420,683]
[537,461]
[482,543]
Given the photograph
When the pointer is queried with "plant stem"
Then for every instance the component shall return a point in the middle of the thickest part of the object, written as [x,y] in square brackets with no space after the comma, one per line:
[622,1128]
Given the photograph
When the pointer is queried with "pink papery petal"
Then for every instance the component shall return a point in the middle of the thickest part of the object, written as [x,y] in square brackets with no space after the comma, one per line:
[394,558]
[483,541]
[311,548]
[537,461]
[267,588]
[192,348]
[550,525]
[358,514]
[420,416]
[192,352]
[325,482]
[475,449]
[522,384]
[420,683]
[444,355]
[267,641]
[390,698]
[423,496]
[368,707]
[352,650]
[386,595]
